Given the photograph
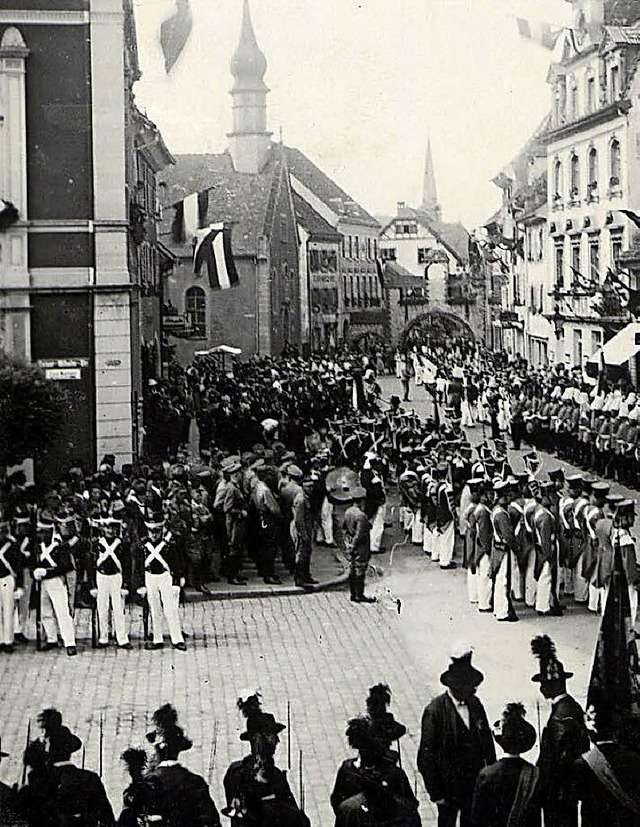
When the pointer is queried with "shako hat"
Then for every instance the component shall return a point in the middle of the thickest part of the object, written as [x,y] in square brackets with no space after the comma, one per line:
[512,732]
[460,671]
[551,669]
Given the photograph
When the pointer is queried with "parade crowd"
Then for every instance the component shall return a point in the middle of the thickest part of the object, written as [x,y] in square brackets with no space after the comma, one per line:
[296,453]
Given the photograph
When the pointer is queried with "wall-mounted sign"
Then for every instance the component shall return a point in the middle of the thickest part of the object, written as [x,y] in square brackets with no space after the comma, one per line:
[63,374]
[62,363]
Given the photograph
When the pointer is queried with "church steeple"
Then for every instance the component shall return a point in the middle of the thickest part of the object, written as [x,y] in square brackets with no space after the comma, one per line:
[429,190]
[249,143]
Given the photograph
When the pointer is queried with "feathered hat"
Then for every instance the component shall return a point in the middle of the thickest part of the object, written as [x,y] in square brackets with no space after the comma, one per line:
[258,722]
[386,728]
[512,732]
[460,671]
[167,730]
[551,669]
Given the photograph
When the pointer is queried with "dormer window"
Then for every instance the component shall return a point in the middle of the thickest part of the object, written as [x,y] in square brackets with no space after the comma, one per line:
[591,94]
[614,165]
[575,101]
[557,180]
[575,177]
[592,184]
[614,83]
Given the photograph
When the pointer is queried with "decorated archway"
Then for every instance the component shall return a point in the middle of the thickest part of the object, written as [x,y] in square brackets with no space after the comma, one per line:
[436,325]
[366,340]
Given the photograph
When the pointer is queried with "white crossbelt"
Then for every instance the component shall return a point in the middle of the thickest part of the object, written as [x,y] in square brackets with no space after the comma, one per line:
[3,559]
[46,552]
[155,553]
[108,551]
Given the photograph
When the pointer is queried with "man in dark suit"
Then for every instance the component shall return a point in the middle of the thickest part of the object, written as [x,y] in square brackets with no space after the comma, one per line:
[456,742]
[508,792]
[564,738]
[9,812]
[174,795]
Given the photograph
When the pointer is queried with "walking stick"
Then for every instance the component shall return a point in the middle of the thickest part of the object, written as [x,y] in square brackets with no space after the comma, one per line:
[94,624]
[23,776]
[399,754]
[538,713]
[214,750]
[101,744]
[300,781]
[289,734]
[84,755]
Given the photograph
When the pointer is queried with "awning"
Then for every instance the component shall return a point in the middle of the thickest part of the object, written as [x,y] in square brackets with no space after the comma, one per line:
[621,348]
[232,351]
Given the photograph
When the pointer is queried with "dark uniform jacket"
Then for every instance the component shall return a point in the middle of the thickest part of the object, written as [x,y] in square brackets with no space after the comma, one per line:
[180,797]
[450,755]
[167,550]
[80,798]
[496,791]
[11,560]
[110,556]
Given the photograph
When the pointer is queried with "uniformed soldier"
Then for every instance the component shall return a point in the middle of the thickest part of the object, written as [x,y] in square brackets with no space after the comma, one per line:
[546,542]
[235,508]
[52,564]
[163,579]
[579,540]
[11,583]
[621,538]
[604,553]
[301,528]
[467,527]
[357,528]
[504,545]
[566,528]
[592,514]
[109,577]
[25,539]
[409,490]
[444,541]
[483,548]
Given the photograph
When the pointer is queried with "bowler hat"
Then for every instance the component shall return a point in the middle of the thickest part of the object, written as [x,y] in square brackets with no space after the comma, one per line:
[62,743]
[512,732]
[461,672]
[261,723]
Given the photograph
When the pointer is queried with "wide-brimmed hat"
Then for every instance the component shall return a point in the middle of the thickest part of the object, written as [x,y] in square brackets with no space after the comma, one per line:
[551,669]
[460,671]
[62,742]
[512,732]
[261,723]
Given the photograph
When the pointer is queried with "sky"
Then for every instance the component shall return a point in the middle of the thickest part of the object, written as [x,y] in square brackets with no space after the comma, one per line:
[361,85]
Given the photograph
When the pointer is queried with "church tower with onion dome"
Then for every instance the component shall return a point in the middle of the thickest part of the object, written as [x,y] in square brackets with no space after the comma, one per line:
[249,142]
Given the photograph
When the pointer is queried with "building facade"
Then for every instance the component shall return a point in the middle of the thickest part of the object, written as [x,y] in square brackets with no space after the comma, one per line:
[68,274]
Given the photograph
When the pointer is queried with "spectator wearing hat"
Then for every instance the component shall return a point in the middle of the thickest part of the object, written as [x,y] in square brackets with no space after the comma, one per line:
[301,527]
[507,793]
[79,795]
[11,584]
[504,547]
[564,738]
[456,742]
[256,790]
[52,564]
[357,530]
[163,579]
[385,727]
[268,517]
[109,579]
[172,794]
[371,789]
[235,508]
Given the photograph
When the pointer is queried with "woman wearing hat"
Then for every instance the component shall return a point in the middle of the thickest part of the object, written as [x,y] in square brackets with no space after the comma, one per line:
[257,792]
[507,793]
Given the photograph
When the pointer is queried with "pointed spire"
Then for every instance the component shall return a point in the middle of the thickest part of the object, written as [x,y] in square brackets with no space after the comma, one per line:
[248,65]
[429,191]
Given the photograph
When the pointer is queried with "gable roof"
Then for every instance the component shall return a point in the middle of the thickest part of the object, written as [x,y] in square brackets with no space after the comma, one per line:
[397,277]
[623,35]
[244,201]
[454,237]
[324,188]
[313,222]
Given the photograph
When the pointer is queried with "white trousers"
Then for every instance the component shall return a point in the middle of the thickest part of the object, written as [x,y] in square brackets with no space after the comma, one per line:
[501,590]
[444,544]
[7,588]
[517,585]
[484,583]
[54,611]
[21,618]
[162,600]
[71,579]
[326,521]
[580,585]
[566,577]
[109,594]
[543,596]
[417,528]
[472,586]
[530,583]
[467,414]
[429,541]
[406,519]
[377,530]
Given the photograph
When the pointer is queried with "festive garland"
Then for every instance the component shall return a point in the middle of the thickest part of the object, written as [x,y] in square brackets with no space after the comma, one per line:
[8,214]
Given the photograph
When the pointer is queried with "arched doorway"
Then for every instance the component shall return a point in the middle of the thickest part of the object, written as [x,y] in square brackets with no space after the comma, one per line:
[437,326]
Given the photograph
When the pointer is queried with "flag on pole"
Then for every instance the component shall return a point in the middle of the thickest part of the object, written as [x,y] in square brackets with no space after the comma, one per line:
[542,33]
[174,33]
[213,248]
[380,271]
[614,688]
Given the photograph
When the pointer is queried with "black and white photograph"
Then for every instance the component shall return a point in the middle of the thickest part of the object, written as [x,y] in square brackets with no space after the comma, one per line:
[319,413]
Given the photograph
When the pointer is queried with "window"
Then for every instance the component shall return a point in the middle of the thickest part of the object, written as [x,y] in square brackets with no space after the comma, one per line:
[575,104]
[557,180]
[616,246]
[540,243]
[614,83]
[350,253]
[592,171]
[575,177]
[423,252]
[559,263]
[357,247]
[195,310]
[596,341]
[591,94]
[375,248]
[388,254]
[541,298]
[614,164]
[577,348]
[575,257]
[594,259]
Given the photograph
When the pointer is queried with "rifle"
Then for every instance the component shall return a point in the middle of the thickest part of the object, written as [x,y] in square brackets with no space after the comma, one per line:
[94,624]
[38,587]
[289,734]
[145,618]
[101,744]
[212,754]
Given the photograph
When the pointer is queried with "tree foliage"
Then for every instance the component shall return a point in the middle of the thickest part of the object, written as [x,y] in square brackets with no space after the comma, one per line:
[31,412]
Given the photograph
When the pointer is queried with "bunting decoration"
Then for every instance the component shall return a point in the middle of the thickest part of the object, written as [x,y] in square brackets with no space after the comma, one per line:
[175,32]
[542,33]
[632,216]
[213,249]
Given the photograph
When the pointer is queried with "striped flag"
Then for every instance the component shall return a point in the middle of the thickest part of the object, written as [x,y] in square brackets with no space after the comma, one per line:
[174,33]
[213,248]
[544,34]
